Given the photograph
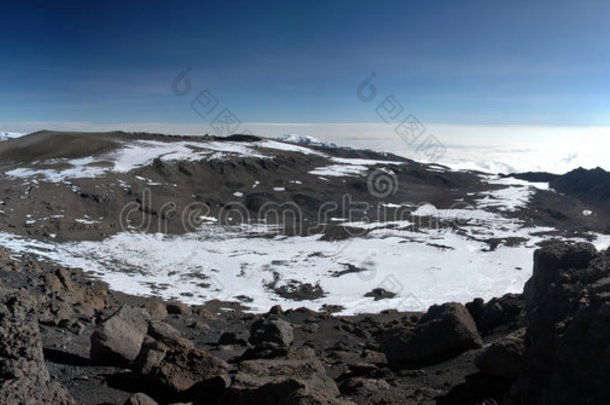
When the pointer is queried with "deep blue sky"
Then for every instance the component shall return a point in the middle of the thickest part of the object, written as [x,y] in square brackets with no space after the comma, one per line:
[471,62]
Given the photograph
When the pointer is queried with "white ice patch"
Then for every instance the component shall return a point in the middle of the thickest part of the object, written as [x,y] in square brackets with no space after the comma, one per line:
[340,170]
[354,161]
[86,221]
[296,138]
[422,268]
[133,156]
[5,136]
[512,198]
[289,148]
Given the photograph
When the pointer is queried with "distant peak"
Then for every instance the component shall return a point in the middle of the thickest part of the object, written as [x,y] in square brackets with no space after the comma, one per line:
[305,140]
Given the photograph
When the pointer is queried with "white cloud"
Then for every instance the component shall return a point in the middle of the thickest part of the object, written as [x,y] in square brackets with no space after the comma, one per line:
[503,148]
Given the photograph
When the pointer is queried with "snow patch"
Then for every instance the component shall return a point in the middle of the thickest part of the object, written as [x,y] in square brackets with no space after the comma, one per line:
[340,170]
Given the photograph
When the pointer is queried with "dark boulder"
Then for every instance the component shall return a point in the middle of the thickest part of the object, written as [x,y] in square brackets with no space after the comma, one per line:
[507,312]
[179,369]
[567,349]
[503,358]
[282,381]
[117,341]
[443,332]
[271,330]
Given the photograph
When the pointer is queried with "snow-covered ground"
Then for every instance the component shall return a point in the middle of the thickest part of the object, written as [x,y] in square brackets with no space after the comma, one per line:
[4,135]
[305,140]
[448,260]
[423,268]
[143,153]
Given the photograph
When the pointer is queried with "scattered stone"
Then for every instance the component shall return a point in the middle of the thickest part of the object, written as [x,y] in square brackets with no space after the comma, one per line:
[231,338]
[204,313]
[276,310]
[167,334]
[140,399]
[374,357]
[380,294]
[199,325]
[178,308]
[368,386]
[60,312]
[285,391]
[85,310]
[506,311]
[151,354]
[271,330]
[52,284]
[64,277]
[157,310]
[75,327]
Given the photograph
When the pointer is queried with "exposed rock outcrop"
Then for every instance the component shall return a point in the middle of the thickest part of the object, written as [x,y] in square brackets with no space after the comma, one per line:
[24,378]
[567,344]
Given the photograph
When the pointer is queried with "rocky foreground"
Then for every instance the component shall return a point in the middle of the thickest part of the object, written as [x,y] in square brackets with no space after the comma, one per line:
[65,339]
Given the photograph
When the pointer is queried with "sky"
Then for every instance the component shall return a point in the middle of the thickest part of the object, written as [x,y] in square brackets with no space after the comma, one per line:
[272,65]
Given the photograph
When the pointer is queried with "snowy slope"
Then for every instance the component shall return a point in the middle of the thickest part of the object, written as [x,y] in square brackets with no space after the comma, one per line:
[5,136]
[479,246]
[305,140]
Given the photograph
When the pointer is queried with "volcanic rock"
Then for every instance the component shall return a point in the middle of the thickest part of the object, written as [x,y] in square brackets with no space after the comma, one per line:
[286,381]
[178,308]
[271,330]
[140,399]
[567,356]
[443,332]
[157,310]
[181,368]
[118,340]
[503,358]
[24,376]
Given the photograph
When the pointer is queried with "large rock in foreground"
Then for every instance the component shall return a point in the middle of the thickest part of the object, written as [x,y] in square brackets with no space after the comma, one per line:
[567,344]
[282,381]
[443,332]
[181,368]
[24,378]
[177,367]
[118,340]
[503,358]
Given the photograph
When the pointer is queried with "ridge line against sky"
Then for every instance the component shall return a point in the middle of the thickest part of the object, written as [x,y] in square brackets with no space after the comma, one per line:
[522,85]
[499,148]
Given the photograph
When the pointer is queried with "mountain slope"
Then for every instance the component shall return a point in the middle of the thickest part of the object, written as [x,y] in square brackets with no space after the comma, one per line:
[260,221]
